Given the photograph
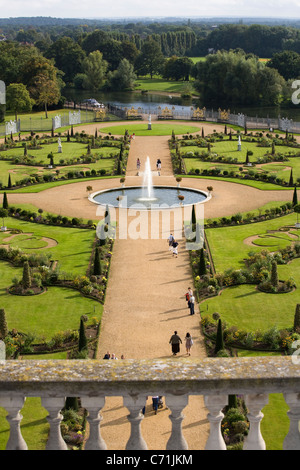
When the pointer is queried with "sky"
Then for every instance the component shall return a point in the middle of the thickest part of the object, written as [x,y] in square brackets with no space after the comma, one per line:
[152,8]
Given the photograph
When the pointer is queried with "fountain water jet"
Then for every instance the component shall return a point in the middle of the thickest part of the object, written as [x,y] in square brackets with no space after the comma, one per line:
[147,183]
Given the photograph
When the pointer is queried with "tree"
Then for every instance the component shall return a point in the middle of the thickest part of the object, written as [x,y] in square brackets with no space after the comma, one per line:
[193,216]
[26,279]
[3,324]
[295,197]
[5,201]
[94,68]
[68,56]
[82,342]
[3,214]
[291,181]
[297,210]
[47,92]
[287,63]
[97,263]
[18,99]
[296,319]
[274,274]
[202,263]
[150,59]
[123,78]
[9,184]
[219,339]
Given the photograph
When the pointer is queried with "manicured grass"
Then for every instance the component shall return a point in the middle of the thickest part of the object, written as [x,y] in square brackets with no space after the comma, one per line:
[157,129]
[160,84]
[229,149]
[73,153]
[57,309]
[249,309]
[73,247]
[227,243]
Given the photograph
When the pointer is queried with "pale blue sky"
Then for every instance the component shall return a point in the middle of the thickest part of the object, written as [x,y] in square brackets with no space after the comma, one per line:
[153,8]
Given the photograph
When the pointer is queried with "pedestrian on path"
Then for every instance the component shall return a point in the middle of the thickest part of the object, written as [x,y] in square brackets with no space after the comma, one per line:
[170,241]
[188,295]
[188,343]
[175,341]
[138,164]
[192,305]
[158,166]
[175,248]
[155,403]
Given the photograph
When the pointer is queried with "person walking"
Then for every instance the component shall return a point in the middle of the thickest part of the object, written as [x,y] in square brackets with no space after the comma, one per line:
[192,305]
[155,403]
[188,343]
[175,341]
[170,241]
[138,164]
[175,248]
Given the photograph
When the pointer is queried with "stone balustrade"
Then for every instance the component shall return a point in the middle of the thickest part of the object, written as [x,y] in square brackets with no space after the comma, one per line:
[176,380]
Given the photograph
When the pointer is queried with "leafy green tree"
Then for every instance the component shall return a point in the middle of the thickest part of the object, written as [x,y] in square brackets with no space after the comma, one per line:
[150,60]
[94,69]
[287,63]
[47,92]
[18,99]
[123,78]
[68,56]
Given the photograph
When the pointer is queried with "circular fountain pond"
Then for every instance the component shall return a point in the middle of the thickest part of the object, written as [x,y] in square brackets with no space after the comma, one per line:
[160,197]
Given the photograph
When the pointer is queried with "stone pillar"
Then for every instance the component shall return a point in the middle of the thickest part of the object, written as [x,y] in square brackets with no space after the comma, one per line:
[53,406]
[13,405]
[135,405]
[176,405]
[215,404]
[292,439]
[254,403]
[93,406]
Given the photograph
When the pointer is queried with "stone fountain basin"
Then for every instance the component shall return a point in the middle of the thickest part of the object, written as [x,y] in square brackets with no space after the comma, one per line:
[135,197]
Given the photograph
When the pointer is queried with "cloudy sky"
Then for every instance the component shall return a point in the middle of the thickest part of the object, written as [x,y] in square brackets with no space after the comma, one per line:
[152,8]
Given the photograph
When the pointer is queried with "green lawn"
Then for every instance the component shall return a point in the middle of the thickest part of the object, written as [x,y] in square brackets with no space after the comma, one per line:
[156,129]
[227,243]
[229,149]
[160,84]
[73,247]
[73,153]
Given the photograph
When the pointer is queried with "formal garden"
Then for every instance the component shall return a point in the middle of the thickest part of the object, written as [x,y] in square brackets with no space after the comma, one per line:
[249,264]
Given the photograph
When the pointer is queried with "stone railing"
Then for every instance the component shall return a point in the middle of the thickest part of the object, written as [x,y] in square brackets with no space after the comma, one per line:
[176,380]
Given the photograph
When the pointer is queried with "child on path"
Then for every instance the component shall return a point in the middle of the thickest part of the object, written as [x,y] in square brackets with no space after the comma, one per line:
[188,343]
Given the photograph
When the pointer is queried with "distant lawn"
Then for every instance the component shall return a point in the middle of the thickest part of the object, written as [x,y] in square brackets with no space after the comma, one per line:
[160,84]
[156,129]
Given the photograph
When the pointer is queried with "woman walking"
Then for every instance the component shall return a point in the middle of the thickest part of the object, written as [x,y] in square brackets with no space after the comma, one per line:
[175,341]
[188,343]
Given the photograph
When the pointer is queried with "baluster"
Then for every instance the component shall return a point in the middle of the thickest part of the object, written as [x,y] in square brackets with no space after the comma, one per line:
[176,405]
[53,406]
[134,405]
[93,406]
[215,403]
[254,440]
[292,439]
[13,405]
